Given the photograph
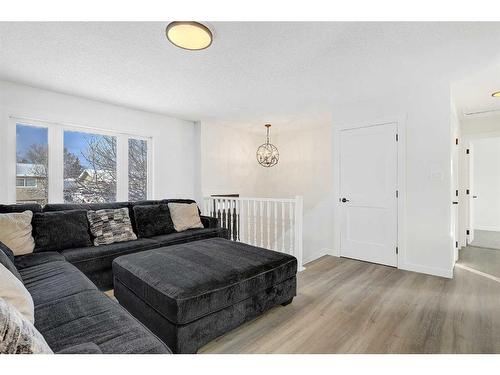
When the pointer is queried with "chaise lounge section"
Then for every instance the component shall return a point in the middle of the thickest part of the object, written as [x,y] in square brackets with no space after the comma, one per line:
[74,316]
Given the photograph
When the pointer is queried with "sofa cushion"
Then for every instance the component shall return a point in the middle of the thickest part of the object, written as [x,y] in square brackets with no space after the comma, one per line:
[92,317]
[187,236]
[153,220]
[55,231]
[35,259]
[91,259]
[188,281]
[16,232]
[7,260]
[83,206]
[51,281]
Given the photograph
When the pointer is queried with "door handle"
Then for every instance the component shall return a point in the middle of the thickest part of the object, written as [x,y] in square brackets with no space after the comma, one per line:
[455,202]
[343,200]
[474,196]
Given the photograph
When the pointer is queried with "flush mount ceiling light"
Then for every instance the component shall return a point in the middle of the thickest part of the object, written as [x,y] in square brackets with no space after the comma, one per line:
[267,153]
[189,35]
[496,94]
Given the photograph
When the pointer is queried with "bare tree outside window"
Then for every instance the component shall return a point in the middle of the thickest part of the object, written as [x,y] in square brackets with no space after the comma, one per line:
[137,169]
[90,173]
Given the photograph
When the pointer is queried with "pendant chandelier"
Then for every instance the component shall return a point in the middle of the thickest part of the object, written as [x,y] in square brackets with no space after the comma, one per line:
[267,154]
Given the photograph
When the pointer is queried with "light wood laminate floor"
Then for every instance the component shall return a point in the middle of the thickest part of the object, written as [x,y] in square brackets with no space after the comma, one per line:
[347,306]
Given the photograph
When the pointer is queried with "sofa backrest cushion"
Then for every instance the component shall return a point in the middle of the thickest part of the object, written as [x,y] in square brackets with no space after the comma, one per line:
[59,230]
[7,260]
[83,206]
[153,220]
[8,208]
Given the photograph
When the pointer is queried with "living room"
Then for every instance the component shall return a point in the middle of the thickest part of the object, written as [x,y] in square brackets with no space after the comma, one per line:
[244,185]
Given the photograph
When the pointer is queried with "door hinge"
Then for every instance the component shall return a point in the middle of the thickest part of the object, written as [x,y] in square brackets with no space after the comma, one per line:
[456,193]
[467,232]
[467,192]
[456,244]
[397,137]
[467,151]
[397,250]
[397,193]
[456,141]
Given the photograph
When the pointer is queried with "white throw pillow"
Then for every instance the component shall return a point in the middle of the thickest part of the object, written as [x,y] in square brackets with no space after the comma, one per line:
[14,292]
[16,232]
[18,335]
[185,216]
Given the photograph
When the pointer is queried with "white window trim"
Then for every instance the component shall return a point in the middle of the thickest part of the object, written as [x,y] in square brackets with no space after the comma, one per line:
[56,153]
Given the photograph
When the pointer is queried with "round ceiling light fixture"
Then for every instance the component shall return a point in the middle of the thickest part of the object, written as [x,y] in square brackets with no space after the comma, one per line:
[189,35]
[267,153]
[496,94]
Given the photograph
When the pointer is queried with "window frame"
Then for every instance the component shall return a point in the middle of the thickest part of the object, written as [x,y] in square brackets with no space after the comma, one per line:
[56,157]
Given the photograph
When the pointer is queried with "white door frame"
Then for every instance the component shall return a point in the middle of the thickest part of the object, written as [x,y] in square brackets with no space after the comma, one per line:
[400,122]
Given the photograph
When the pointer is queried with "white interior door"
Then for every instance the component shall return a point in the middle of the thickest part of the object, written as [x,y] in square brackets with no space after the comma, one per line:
[368,201]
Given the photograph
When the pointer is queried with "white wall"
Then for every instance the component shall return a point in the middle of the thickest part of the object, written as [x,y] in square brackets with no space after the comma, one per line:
[424,109]
[486,175]
[305,168]
[174,141]
[228,161]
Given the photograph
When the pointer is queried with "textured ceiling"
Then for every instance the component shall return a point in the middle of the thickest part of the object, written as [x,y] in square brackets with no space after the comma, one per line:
[253,72]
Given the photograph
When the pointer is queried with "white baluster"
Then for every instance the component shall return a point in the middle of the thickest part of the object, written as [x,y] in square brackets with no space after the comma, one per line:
[261,214]
[255,222]
[283,227]
[275,247]
[248,222]
[268,212]
[292,229]
[299,204]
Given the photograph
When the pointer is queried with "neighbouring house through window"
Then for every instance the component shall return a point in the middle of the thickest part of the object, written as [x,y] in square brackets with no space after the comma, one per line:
[32,161]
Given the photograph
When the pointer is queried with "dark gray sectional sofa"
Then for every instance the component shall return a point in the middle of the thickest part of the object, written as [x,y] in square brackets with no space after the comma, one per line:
[71,312]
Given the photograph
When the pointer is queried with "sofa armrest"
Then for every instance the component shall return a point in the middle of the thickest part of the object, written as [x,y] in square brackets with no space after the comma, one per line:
[210,222]
[85,348]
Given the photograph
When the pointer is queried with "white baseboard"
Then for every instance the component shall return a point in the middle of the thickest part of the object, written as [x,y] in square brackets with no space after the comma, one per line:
[491,229]
[441,272]
[318,254]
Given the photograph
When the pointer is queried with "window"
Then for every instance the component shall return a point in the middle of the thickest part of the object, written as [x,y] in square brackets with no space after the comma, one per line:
[32,164]
[86,166]
[137,169]
[89,168]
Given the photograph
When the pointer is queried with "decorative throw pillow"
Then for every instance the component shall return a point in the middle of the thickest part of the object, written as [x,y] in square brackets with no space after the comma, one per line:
[15,232]
[110,225]
[14,292]
[17,334]
[7,260]
[185,216]
[59,230]
[153,220]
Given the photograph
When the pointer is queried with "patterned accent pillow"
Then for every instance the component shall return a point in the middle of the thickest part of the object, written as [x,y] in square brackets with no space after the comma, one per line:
[18,335]
[110,225]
